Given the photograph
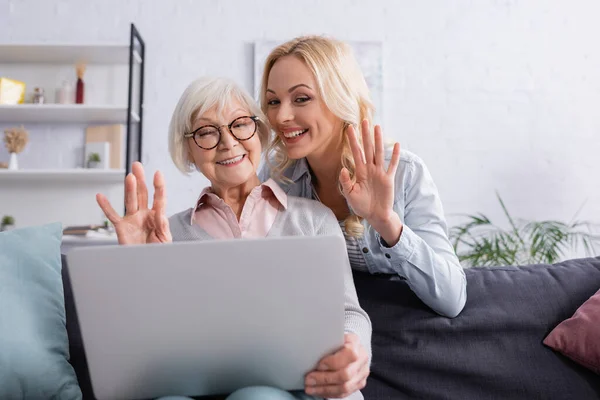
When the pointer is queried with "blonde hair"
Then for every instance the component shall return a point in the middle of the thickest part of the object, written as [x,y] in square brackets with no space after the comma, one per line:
[344,91]
[200,96]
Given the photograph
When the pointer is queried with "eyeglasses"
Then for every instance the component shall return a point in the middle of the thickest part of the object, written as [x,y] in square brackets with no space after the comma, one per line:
[208,137]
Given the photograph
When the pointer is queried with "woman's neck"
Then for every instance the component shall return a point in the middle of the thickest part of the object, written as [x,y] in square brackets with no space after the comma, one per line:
[325,165]
[325,168]
[235,196]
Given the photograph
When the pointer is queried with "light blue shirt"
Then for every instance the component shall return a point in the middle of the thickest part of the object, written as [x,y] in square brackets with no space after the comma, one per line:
[424,256]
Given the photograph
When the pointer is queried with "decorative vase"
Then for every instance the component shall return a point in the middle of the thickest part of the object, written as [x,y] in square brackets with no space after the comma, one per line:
[13,163]
[64,94]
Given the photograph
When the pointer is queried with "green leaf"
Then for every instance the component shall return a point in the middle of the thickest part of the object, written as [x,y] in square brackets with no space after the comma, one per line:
[478,242]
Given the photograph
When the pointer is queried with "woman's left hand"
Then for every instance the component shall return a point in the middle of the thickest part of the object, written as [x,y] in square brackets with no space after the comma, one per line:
[341,373]
[372,194]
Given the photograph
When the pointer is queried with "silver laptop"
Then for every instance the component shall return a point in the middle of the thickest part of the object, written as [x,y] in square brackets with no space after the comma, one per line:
[210,317]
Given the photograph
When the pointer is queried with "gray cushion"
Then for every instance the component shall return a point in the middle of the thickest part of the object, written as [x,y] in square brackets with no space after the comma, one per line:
[493,349]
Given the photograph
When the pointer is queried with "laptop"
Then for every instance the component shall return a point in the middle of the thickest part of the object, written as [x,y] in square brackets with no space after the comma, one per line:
[208,317]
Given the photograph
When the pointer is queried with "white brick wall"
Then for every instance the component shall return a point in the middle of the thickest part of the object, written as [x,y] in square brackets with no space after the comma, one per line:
[493,94]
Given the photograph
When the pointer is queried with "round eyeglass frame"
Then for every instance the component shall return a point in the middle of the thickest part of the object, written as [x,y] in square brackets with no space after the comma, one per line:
[218,128]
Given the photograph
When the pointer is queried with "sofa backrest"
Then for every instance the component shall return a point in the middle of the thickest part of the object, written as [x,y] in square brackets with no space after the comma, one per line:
[493,349]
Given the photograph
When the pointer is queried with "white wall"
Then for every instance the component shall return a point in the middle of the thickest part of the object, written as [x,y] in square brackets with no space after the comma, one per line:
[493,94]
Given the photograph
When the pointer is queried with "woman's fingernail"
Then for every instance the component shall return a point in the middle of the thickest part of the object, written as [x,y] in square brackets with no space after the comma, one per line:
[311,382]
[309,390]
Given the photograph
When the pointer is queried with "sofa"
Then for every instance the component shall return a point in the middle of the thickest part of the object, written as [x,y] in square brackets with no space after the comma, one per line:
[492,350]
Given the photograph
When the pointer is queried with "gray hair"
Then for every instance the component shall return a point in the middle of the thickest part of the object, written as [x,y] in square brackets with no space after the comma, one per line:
[200,96]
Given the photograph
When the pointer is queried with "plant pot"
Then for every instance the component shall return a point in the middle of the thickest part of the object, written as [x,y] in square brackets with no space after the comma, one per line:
[93,164]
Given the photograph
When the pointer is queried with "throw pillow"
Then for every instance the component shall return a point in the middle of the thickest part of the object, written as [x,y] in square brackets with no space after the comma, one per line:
[579,336]
[34,347]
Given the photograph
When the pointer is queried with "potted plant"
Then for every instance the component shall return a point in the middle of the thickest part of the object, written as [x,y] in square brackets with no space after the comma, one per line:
[93,160]
[15,140]
[480,242]
[8,223]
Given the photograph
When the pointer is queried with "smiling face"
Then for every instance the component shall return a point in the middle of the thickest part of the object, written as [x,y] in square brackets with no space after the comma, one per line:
[297,112]
[232,162]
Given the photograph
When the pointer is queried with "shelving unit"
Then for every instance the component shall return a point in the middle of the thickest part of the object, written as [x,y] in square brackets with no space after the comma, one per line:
[65,113]
[74,176]
[131,115]
[66,54]
[35,196]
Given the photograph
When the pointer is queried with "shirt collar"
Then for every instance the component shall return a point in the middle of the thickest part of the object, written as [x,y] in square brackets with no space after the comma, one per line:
[300,169]
[269,185]
[204,194]
[277,191]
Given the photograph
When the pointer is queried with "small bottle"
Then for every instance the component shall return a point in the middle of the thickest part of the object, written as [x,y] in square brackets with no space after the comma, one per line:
[38,96]
[79,91]
[79,88]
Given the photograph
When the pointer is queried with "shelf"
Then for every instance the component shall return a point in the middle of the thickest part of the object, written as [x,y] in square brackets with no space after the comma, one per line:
[66,113]
[65,54]
[75,175]
[86,240]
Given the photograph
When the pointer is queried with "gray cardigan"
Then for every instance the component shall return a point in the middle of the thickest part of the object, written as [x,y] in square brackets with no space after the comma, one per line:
[302,217]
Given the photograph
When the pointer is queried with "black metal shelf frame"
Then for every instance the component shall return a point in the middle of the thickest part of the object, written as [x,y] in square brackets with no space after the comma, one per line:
[135,99]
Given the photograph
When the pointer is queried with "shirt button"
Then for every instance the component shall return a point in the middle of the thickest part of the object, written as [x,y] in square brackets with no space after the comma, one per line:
[387,255]
[365,250]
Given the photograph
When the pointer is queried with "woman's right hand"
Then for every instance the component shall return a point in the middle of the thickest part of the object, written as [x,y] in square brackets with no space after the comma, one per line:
[140,224]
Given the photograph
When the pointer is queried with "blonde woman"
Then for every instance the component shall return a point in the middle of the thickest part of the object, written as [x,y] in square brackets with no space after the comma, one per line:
[318,104]
[218,130]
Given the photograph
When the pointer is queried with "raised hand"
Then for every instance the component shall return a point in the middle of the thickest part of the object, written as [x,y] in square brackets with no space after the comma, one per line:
[371,196]
[140,224]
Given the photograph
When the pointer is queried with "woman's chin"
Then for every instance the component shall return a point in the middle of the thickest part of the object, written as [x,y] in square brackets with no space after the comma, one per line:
[237,180]
[297,153]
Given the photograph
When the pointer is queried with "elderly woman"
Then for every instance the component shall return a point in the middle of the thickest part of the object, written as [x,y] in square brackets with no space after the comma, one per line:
[218,130]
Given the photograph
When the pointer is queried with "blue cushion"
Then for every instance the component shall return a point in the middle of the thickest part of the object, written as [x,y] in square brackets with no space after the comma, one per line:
[34,347]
